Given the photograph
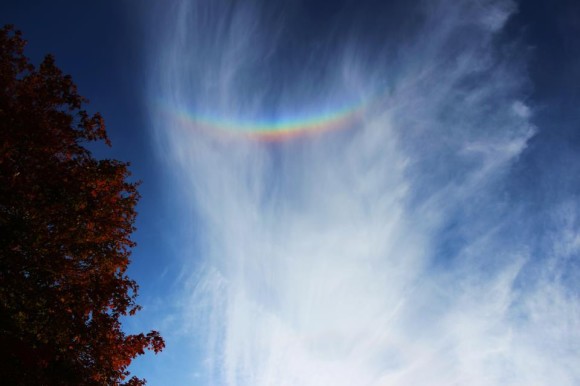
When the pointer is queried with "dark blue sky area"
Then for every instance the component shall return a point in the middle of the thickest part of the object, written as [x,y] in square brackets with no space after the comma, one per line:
[102,45]
[98,43]
[549,169]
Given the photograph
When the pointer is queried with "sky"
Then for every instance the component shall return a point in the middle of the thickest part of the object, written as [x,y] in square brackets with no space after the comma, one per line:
[341,193]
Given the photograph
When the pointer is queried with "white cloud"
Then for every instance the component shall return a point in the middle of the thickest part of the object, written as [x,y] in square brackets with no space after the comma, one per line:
[521,109]
[321,258]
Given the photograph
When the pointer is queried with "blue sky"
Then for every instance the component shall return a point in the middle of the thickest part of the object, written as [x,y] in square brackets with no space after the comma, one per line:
[432,238]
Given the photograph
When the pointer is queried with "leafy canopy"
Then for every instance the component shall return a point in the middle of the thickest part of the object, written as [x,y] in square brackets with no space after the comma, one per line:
[65,224]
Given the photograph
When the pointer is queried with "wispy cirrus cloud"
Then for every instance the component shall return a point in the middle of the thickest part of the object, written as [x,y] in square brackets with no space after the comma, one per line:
[385,253]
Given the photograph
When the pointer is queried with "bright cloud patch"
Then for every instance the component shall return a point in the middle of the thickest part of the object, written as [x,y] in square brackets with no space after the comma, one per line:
[389,249]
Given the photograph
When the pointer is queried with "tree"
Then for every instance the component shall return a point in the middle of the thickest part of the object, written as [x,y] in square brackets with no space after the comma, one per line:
[65,225]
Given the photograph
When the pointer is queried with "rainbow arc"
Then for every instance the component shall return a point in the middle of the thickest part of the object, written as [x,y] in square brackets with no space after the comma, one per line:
[275,130]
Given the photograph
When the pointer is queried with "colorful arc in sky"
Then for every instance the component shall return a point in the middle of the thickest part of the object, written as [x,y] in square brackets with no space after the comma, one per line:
[274,130]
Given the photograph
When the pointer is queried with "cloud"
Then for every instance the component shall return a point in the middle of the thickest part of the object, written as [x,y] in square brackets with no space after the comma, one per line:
[382,254]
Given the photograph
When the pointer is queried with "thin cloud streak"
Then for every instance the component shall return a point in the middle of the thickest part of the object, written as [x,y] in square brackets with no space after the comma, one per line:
[323,260]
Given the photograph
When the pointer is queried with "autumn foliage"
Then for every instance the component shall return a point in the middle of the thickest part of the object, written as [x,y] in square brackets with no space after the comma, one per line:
[65,224]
